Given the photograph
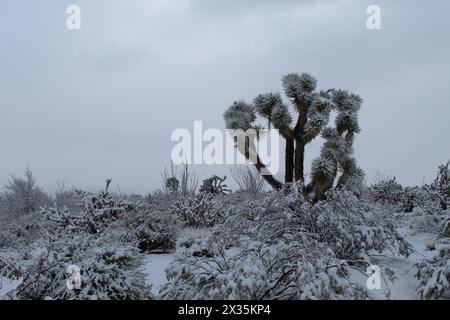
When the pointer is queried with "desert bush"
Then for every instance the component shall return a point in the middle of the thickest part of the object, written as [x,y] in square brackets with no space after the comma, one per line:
[411,198]
[430,211]
[97,211]
[434,275]
[179,180]
[23,195]
[10,268]
[387,191]
[206,269]
[108,271]
[248,179]
[441,186]
[214,185]
[69,199]
[201,210]
[445,226]
[155,232]
[352,227]
[20,233]
[283,247]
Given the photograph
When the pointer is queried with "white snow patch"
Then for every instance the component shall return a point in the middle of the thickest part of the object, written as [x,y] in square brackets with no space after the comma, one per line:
[7,285]
[405,285]
[154,267]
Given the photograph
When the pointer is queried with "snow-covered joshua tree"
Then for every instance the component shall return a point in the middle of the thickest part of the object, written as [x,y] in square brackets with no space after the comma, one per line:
[313,108]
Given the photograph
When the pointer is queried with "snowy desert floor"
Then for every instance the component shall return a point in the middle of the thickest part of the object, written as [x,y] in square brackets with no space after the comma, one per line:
[403,287]
[405,284]
[266,246]
[154,268]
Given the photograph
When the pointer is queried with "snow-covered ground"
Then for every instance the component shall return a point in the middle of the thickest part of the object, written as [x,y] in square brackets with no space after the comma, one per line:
[403,287]
[154,267]
[7,285]
[405,284]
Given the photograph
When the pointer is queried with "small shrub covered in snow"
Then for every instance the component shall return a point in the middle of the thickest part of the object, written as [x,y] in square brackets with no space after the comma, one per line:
[214,185]
[353,227]
[9,268]
[108,271]
[387,191]
[201,210]
[155,232]
[434,275]
[91,240]
[206,269]
[283,247]
[97,211]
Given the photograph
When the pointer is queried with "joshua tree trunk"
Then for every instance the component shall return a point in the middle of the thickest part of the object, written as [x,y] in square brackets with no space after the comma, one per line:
[274,183]
[299,143]
[250,150]
[299,159]
[289,161]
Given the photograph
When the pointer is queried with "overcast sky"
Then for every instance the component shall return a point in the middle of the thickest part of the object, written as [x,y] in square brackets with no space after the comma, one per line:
[81,106]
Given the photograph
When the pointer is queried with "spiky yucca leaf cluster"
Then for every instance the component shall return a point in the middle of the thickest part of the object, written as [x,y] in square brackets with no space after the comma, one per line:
[299,87]
[240,115]
[270,106]
[337,149]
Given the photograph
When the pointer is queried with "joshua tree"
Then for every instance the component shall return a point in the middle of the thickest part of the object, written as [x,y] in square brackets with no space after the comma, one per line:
[313,108]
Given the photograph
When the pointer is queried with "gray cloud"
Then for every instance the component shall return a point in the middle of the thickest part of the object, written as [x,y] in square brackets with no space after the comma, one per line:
[80,106]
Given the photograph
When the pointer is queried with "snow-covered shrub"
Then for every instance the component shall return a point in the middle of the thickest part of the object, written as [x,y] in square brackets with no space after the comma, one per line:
[206,269]
[387,191]
[91,240]
[179,180]
[23,195]
[9,267]
[441,186]
[428,218]
[445,226]
[248,179]
[15,235]
[97,211]
[67,198]
[214,185]
[155,232]
[201,210]
[434,275]
[431,212]
[283,247]
[352,227]
[6,238]
[412,198]
[108,271]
